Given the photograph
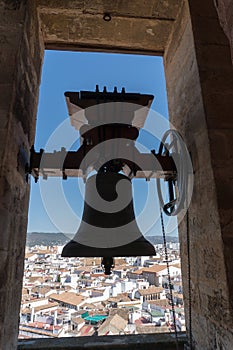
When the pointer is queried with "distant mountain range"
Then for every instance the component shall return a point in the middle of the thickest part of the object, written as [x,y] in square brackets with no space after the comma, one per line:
[47,238]
[159,239]
[52,239]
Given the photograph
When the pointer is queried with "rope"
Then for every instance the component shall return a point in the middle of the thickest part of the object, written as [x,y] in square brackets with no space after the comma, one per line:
[169,279]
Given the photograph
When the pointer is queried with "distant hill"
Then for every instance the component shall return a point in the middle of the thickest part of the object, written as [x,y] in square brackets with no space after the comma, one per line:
[47,239]
[159,239]
[51,239]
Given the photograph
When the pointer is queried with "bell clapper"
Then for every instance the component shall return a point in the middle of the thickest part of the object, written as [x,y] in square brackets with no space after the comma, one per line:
[108,264]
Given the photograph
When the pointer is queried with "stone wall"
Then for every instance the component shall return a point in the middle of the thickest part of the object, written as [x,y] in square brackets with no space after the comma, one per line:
[163,341]
[199,75]
[20,65]
[79,25]
[225,13]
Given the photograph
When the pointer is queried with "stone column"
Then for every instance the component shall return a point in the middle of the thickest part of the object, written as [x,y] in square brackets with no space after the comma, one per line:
[20,65]
[199,86]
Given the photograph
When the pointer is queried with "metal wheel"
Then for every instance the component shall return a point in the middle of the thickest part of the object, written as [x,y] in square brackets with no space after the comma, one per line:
[178,187]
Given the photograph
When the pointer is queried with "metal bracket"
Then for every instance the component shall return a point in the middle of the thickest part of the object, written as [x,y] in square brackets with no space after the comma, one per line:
[23,163]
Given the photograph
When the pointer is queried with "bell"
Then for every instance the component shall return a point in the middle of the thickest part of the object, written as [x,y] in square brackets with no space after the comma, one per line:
[108,228]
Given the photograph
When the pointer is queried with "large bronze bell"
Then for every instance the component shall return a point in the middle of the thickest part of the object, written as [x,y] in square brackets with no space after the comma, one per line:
[108,228]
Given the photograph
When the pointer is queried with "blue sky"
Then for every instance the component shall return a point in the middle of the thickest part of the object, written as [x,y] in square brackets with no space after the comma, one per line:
[75,71]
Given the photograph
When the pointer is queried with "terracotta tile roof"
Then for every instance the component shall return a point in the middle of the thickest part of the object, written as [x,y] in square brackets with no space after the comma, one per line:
[154,268]
[137,272]
[26,310]
[92,262]
[41,290]
[156,259]
[124,313]
[24,291]
[35,278]
[77,320]
[120,297]
[34,299]
[46,306]
[86,330]
[29,255]
[141,320]
[119,261]
[114,324]
[89,306]
[97,275]
[44,251]
[159,302]
[68,298]
[150,290]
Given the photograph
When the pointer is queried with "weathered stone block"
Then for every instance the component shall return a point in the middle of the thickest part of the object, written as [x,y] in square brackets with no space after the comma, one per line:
[86,29]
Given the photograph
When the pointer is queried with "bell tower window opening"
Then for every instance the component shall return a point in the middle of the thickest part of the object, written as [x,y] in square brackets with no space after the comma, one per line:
[52,106]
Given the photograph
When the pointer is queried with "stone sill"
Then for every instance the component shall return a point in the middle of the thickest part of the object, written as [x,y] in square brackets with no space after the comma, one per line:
[162,341]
